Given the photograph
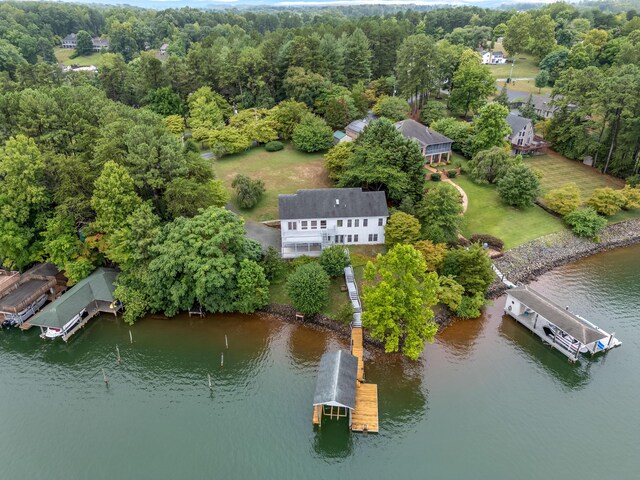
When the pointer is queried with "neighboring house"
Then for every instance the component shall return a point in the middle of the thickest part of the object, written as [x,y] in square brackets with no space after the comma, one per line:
[522,138]
[163,48]
[492,58]
[435,147]
[311,220]
[355,128]
[341,137]
[71,41]
[543,106]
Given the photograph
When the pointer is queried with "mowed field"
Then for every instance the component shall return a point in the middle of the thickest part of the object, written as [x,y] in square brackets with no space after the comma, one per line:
[63,54]
[285,171]
[526,66]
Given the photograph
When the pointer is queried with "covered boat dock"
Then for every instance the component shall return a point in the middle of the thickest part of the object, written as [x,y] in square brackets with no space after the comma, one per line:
[565,331]
[93,295]
[335,394]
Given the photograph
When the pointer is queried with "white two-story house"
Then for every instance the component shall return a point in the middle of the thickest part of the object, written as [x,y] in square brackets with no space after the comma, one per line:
[311,220]
[492,58]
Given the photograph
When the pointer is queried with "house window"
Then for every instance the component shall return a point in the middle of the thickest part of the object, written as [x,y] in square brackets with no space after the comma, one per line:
[356,222]
[370,237]
[380,222]
[375,237]
[339,238]
[519,141]
[348,238]
[339,223]
[329,238]
[355,238]
[323,224]
[314,224]
[349,223]
[365,222]
[292,225]
[304,224]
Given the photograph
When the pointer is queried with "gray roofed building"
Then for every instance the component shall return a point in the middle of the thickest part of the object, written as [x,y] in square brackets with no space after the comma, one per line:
[355,128]
[517,123]
[332,203]
[336,384]
[435,147]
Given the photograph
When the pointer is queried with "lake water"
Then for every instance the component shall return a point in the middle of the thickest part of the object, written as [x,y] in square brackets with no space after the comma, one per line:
[487,401]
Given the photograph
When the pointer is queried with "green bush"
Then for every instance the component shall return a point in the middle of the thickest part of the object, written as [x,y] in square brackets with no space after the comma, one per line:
[519,187]
[586,222]
[345,313]
[303,260]
[607,201]
[452,173]
[248,191]
[633,181]
[436,177]
[490,240]
[334,259]
[563,200]
[308,288]
[274,146]
[470,307]
[271,263]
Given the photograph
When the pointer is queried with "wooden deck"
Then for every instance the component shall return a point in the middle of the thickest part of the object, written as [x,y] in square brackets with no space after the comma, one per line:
[316,414]
[357,350]
[364,417]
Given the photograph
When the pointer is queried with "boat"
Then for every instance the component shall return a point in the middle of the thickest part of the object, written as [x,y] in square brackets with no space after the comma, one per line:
[59,332]
[17,319]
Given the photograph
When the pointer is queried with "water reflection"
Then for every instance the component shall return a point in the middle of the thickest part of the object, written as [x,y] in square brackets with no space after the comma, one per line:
[307,345]
[333,440]
[460,338]
[572,376]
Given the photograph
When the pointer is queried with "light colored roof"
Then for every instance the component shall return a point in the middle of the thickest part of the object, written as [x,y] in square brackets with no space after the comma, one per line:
[332,203]
[339,134]
[421,133]
[100,286]
[357,126]
[560,317]
[100,42]
[517,123]
[70,38]
[336,384]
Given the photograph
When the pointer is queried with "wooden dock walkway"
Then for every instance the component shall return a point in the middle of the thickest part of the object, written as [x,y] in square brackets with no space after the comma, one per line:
[91,312]
[357,350]
[364,417]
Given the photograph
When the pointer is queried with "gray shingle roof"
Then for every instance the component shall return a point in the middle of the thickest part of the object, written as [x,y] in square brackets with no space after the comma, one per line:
[336,383]
[560,317]
[517,122]
[332,203]
[423,134]
[357,126]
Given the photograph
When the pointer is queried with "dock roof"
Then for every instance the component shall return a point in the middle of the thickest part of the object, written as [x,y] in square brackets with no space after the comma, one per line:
[336,385]
[25,294]
[100,286]
[560,317]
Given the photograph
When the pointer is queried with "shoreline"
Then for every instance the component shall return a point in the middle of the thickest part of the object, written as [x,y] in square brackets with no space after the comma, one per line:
[521,264]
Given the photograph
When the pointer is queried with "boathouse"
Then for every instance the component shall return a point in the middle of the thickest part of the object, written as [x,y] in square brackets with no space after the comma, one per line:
[565,331]
[92,295]
[335,394]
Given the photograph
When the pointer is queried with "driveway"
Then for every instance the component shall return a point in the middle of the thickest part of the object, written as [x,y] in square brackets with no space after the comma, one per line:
[264,235]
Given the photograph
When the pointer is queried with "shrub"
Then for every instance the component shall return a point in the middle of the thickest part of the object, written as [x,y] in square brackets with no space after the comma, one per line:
[401,228]
[452,173]
[435,177]
[334,259]
[519,187]
[563,200]
[271,263]
[470,267]
[345,313]
[302,260]
[585,222]
[631,197]
[308,288]
[633,181]
[470,307]
[607,201]
[312,134]
[490,240]
[274,146]
[433,253]
[248,191]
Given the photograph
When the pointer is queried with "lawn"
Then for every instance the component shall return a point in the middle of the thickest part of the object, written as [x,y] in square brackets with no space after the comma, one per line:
[526,66]
[285,171]
[524,86]
[488,214]
[558,170]
[63,54]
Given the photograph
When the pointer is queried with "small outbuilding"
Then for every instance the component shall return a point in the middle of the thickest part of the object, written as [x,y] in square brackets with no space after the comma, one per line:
[335,395]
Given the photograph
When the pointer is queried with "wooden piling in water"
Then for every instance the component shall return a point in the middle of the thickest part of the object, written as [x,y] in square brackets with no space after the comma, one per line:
[104,376]
[226,342]
[118,354]
[222,359]
[130,336]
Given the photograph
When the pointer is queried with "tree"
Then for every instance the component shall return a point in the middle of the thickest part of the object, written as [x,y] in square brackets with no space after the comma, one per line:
[565,199]
[334,259]
[606,201]
[308,288]
[528,110]
[84,43]
[164,102]
[491,127]
[433,253]
[432,112]
[185,196]
[253,287]
[470,306]
[518,34]
[503,97]
[440,212]
[336,159]
[24,201]
[175,124]
[398,297]
[114,198]
[543,36]
[248,191]
[519,187]
[10,58]
[207,109]
[287,115]
[542,79]
[393,108]
[417,69]
[312,134]
[460,132]
[228,140]
[450,293]
[472,84]
[339,111]
[585,222]
[401,228]
[357,55]
[489,166]
[470,267]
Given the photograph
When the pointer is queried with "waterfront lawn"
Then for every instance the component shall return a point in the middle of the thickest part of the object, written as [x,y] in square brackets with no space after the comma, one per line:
[285,171]
[486,213]
[63,54]
[558,170]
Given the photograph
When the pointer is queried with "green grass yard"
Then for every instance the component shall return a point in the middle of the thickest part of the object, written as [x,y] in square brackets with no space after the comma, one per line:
[526,66]
[488,214]
[285,171]
[63,54]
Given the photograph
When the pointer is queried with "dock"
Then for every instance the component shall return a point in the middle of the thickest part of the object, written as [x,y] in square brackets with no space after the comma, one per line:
[364,417]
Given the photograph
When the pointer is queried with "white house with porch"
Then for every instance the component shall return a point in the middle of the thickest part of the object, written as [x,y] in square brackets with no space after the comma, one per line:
[492,58]
[435,147]
[311,220]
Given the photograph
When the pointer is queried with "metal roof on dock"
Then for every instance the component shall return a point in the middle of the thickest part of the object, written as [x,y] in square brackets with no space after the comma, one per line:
[336,385]
[560,317]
